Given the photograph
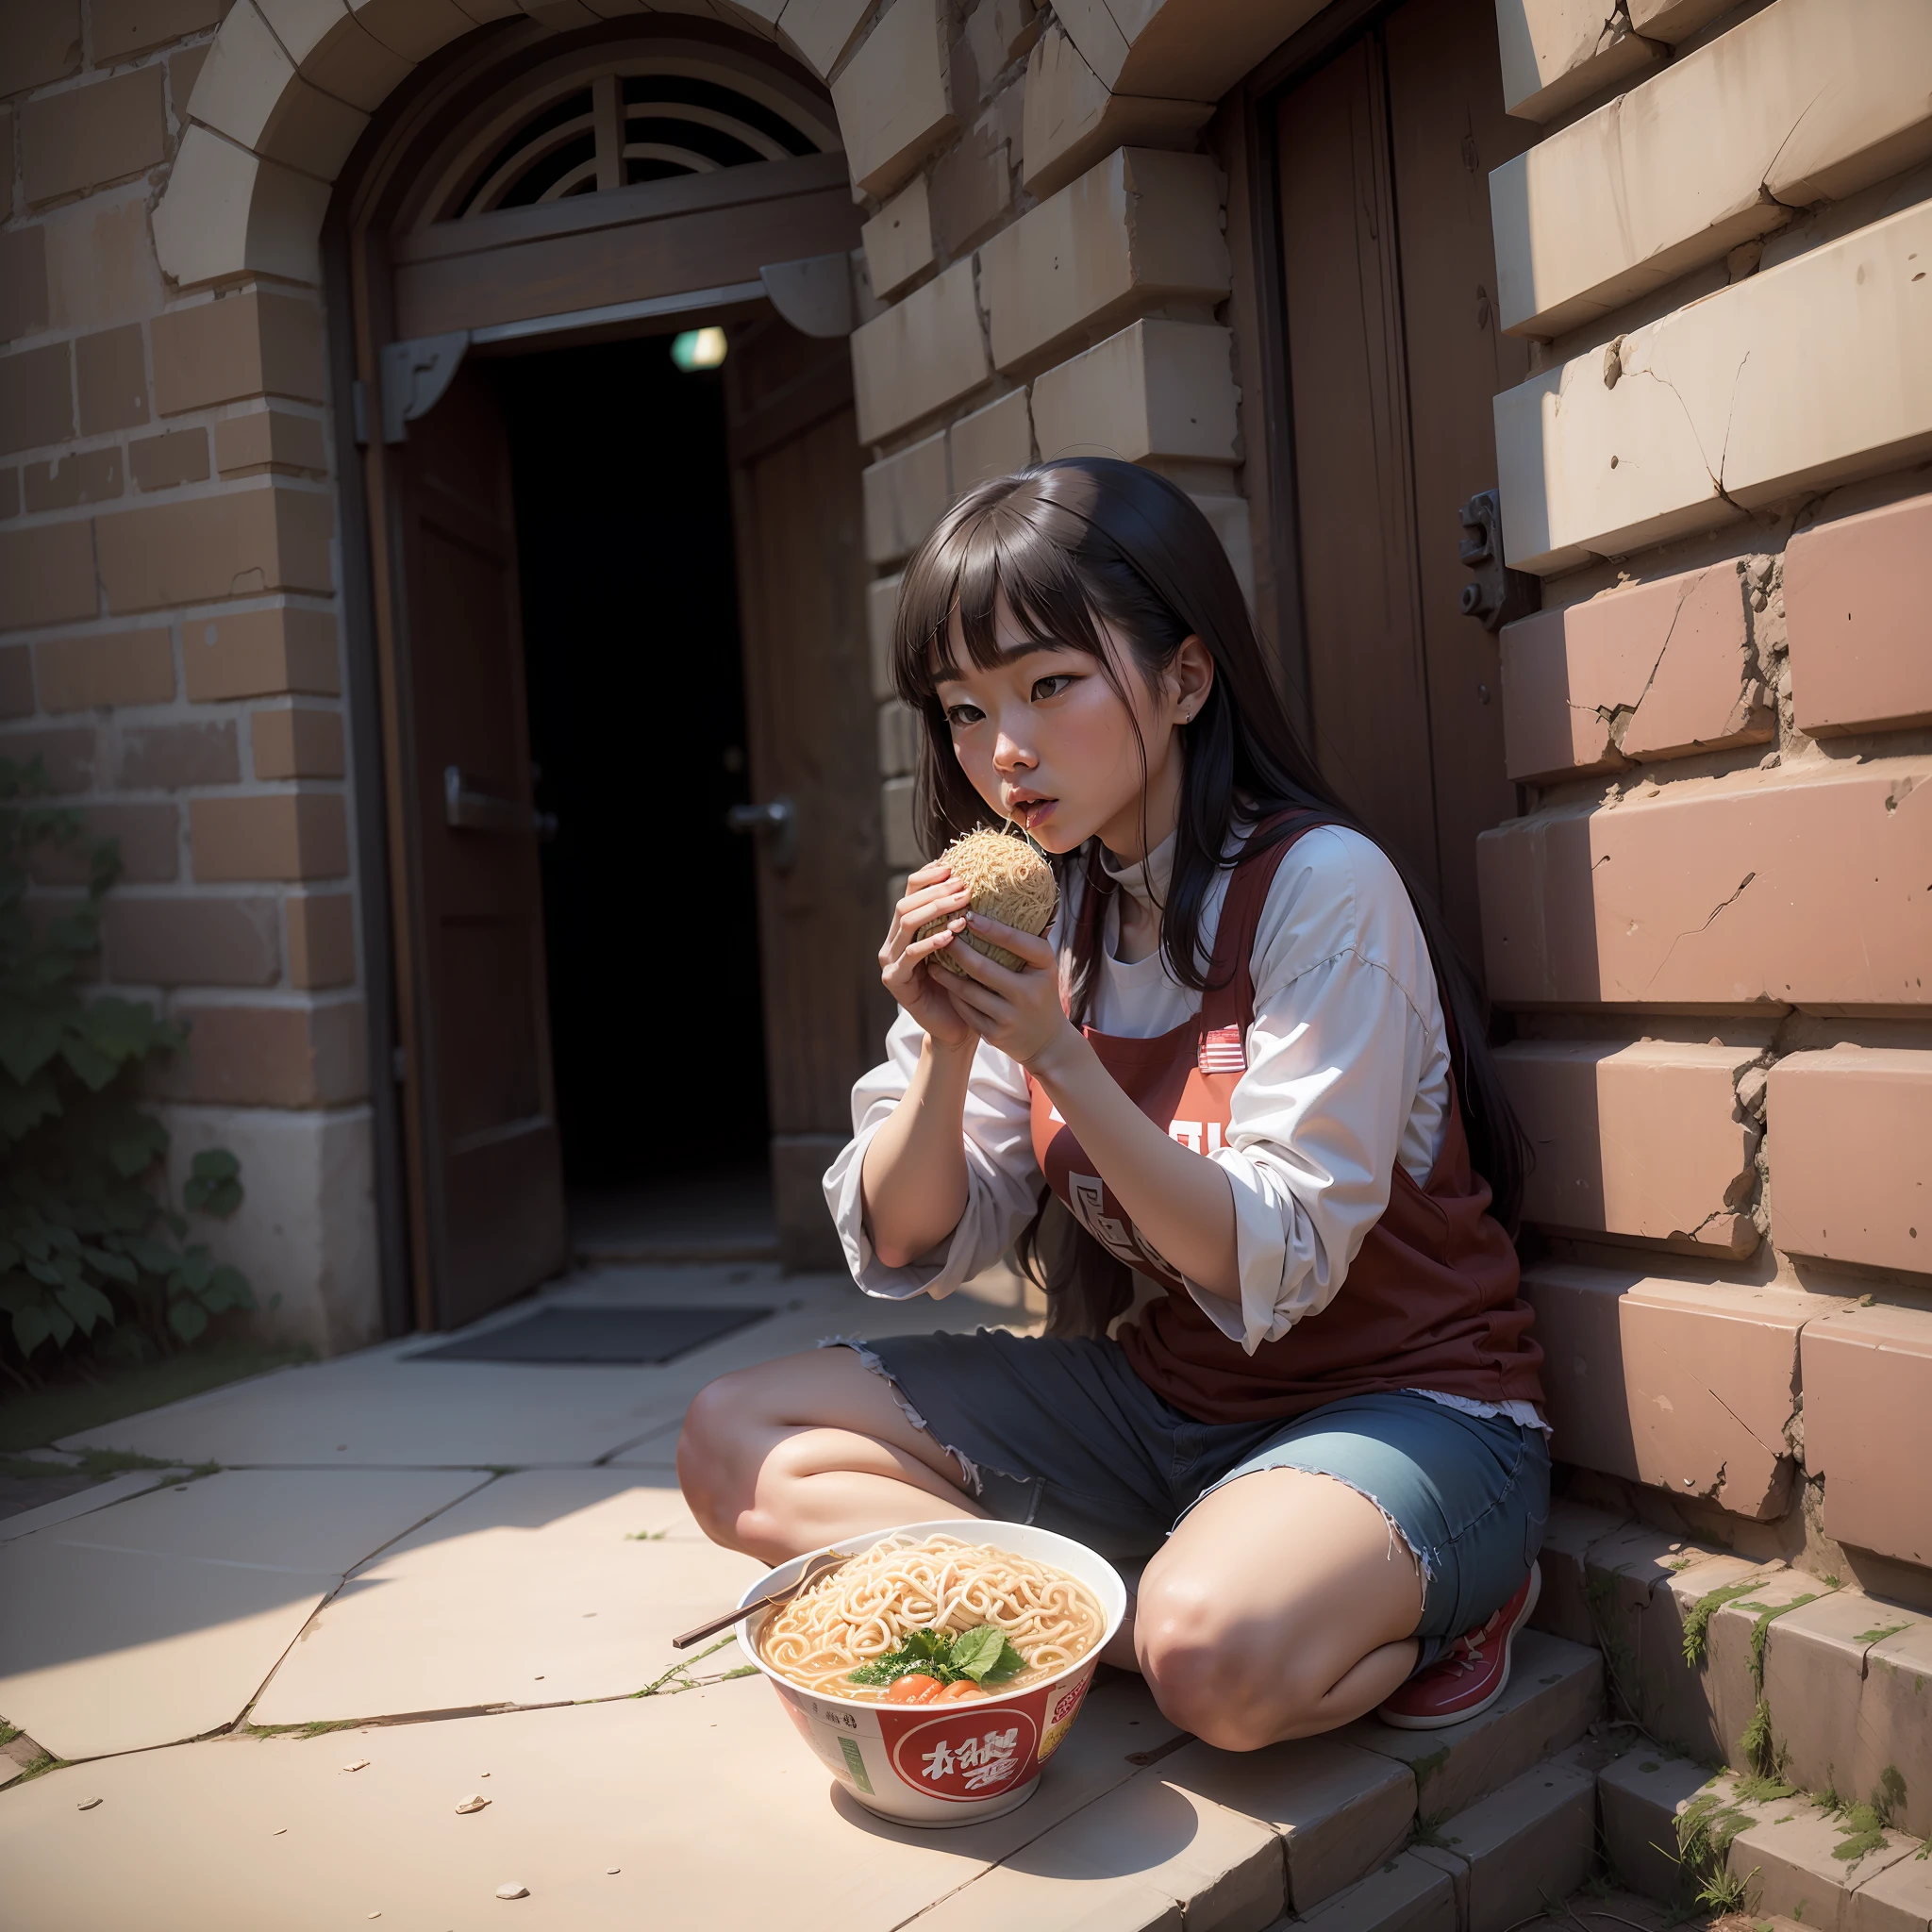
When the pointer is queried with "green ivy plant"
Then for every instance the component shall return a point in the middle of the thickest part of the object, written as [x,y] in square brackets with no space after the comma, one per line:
[89,1248]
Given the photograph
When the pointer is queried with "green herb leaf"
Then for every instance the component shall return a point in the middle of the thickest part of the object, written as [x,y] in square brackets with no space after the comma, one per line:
[982,1653]
[985,1655]
[1010,1663]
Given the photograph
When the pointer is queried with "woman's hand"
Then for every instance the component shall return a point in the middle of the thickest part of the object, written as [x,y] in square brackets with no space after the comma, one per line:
[905,961]
[1018,1012]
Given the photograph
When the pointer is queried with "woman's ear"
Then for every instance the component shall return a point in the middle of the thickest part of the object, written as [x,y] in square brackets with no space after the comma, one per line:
[1193,675]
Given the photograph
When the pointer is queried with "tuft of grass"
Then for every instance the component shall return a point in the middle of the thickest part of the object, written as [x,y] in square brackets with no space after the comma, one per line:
[1697,1618]
[1878,1633]
[678,1676]
[1707,1827]
[1723,1893]
[1756,1788]
[8,1733]
[41,1766]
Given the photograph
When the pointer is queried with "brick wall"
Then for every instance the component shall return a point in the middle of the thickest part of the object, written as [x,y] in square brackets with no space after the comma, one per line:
[169,640]
[1713,925]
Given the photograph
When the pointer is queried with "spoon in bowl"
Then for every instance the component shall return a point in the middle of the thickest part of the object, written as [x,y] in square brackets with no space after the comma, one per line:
[817,1568]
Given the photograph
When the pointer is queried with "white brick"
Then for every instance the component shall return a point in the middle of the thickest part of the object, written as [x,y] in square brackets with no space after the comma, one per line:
[248,90]
[1805,102]
[919,356]
[1805,375]
[1069,118]
[993,442]
[892,99]
[881,608]
[1556,53]
[1179,50]
[1155,390]
[903,852]
[226,212]
[821,30]
[905,496]
[898,240]
[1140,228]
[899,736]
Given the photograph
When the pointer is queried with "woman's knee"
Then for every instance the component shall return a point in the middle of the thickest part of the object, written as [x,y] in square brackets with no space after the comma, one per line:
[712,1468]
[1227,1683]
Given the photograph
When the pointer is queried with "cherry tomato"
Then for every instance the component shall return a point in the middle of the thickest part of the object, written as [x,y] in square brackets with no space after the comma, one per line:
[914,1688]
[962,1693]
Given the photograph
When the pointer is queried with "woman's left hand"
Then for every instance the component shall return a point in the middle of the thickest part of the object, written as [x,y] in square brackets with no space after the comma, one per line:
[1018,1012]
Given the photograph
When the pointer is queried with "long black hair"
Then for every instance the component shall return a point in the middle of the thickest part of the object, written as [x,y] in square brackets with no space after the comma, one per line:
[1065,547]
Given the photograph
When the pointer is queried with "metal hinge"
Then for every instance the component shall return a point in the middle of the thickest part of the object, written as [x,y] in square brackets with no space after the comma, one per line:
[1496,594]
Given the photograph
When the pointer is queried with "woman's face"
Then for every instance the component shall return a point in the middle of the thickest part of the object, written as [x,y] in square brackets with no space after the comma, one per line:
[1047,742]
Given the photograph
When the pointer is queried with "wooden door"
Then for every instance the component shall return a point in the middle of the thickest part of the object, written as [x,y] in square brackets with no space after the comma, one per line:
[798,516]
[1395,355]
[488,1179]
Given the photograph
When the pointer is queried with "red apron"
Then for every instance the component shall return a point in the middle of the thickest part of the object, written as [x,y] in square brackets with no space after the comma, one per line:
[1430,1300]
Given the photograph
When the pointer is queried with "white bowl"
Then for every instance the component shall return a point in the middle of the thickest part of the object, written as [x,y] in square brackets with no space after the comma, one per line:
[956,1763]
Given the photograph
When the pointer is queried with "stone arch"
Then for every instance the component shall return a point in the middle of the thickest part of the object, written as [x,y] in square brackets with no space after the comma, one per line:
[290,85]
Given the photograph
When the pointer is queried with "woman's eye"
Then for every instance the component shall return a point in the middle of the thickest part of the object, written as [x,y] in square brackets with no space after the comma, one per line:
[960,716]
[1050,687]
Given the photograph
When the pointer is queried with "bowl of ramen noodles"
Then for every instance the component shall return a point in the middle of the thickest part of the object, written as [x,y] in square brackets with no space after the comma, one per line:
[940,1666]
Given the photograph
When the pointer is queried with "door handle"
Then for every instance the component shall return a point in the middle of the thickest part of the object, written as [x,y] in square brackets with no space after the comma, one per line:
[777,823]
[467,807]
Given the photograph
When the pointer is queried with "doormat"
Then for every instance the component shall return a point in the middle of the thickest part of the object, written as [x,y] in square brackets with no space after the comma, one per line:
[595,1335]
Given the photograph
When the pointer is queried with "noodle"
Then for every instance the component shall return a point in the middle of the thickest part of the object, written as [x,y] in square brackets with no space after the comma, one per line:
[866,1608]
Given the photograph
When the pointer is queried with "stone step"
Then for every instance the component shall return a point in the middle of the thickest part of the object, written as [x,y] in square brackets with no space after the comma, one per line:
[1521,1848]
[1402,1894]
[1696,1643]
[1792,1858]
[1555,1693]
[1638,1796]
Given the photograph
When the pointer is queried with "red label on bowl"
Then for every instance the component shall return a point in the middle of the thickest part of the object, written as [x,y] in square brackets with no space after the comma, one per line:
[971,1753]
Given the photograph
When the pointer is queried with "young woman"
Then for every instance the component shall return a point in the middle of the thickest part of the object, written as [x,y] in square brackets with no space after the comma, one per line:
[1240,1094]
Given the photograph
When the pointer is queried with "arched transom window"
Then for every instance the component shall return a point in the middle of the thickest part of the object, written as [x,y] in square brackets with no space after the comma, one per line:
[647,118]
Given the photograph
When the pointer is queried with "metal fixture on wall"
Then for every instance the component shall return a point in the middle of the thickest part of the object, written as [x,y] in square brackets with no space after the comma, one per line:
[1496,594]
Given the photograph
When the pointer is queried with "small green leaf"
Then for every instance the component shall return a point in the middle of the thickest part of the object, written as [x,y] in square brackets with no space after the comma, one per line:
[187,1318]
[30,1328]
[975,1652]
[27,1041]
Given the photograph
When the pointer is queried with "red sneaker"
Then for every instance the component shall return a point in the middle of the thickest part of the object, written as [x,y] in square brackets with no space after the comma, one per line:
[1471,1674]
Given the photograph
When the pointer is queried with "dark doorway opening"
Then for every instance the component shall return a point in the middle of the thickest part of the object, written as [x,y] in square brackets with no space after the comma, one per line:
[637,738]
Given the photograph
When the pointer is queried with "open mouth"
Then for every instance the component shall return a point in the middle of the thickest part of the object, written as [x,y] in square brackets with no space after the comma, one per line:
[1029,808]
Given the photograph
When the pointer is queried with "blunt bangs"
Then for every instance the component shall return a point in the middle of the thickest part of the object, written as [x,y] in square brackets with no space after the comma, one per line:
[1002,543]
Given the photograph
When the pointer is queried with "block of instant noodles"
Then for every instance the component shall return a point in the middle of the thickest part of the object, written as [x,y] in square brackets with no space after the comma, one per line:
[1009,881]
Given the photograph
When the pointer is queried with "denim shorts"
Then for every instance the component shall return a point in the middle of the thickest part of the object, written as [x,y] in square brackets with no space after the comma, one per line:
[1064,1434]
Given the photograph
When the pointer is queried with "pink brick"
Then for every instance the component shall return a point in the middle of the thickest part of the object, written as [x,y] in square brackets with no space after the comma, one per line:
[1653,671]
[1786,886]
[1868,1426]
[1645,1139]
[1682,1384]
[1859,626]
[1851,1156]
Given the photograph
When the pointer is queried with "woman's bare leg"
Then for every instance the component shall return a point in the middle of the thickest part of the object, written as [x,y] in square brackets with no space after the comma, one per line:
[801,1451]
[1283,1605]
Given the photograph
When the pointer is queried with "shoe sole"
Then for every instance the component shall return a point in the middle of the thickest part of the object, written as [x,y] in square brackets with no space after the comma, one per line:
[1403,1722]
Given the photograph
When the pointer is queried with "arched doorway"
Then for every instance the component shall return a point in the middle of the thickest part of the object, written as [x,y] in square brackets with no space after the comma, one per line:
[616,596]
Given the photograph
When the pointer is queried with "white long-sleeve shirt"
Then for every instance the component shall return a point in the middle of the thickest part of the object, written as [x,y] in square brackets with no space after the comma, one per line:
[1347,1074]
